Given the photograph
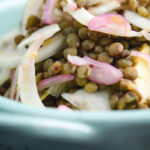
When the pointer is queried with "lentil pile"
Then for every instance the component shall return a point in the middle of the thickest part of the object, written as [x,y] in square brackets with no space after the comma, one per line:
[80,41]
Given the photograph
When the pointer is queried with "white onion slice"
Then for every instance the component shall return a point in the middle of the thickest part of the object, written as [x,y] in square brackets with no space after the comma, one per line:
[89,101]
[137,20]
[47,31]
[52,48]
[104,8]
[32,8]
[82,16]
[11,58]
[26,78]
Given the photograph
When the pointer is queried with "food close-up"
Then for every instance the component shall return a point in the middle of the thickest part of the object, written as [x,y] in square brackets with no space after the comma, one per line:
[79,55]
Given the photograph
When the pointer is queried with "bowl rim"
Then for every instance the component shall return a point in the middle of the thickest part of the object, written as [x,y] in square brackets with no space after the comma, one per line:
[12,107]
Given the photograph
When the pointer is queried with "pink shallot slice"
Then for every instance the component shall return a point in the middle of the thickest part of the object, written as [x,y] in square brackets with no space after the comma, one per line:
[49,12]
[14,84]
[64,108]
[100,71]
[113,24]
[54,80]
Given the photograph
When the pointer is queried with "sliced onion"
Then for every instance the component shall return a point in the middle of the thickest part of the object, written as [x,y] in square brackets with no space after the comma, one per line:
[82,16]
[100,71]
[49,12]
[142,55]
[64,108]
[146,34]
[13,84]
[113,24]
[47,32]
[104,8]
[12,72]
[54,80]
[68,5]
[32,8]
[11,58]
[78,61]
[26,78]
[88,101]
[55,45]
[137,20]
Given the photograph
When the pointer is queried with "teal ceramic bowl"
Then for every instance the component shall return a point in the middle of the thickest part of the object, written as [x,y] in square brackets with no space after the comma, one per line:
[28,128]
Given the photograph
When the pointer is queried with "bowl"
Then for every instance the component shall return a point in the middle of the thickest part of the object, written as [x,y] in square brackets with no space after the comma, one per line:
[27,128]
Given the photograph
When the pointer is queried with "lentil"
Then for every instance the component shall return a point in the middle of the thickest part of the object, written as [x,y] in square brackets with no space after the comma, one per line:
[114,99]
[104,57]
[32,21]
[81,81]
[83,33]
[130,73]
[87,45]
[105,41]
[122,63]
[126,85]
[90,87]
[70,51]
[73,40]
[18,39]
[115,49]
[83,71]
[55,68]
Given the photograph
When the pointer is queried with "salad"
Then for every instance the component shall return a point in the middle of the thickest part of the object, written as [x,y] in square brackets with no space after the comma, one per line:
[79,55]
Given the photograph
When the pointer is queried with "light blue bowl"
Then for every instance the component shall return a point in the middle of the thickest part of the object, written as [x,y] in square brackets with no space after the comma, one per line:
[28,128]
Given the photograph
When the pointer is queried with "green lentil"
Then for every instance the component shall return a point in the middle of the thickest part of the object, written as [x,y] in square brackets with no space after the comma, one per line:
[133,4]
[93,55]
[123,63]
[126,85]
[77,25]
[125,44]
[47,63]
[130,73]
[115,49]
[121,104]
[90,87]
[55,68]
[70,51]
[93,35]
[18,39]
[87,45]
[81,3]
[142,105]
[83,33]
[39,67]
[131,106]
[63,24]
[39,77]
[98,49]
[125,53]
[73,40]
[81,81]
[131,97]
[114,99]
[105,41]
[83,71]
[31,30]
[46,75]
[143,11]
[143,2]
[66,69]
[32,21]
[104,57]
[69,30]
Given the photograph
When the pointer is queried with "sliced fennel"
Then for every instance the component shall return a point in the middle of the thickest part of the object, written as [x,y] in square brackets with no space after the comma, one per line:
[88,101]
